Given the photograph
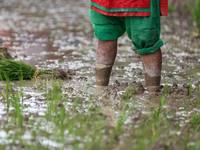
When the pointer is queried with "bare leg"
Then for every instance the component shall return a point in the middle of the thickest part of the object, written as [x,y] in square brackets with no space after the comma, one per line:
[152,65]
[105,57]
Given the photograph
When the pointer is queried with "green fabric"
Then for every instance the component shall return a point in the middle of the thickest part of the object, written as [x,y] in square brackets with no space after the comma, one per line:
[119,9]
[149,50]
[143,31]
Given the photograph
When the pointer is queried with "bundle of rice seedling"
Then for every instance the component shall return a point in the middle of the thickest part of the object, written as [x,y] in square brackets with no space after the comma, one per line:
[16,69]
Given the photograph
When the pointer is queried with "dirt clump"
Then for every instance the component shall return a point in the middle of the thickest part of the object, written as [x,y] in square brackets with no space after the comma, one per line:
[82,79]
[176,90]
[189,59]
[58,74]
[4,53]
[118,90]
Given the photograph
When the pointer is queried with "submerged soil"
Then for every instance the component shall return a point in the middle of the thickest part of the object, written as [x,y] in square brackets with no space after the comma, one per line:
[53,34]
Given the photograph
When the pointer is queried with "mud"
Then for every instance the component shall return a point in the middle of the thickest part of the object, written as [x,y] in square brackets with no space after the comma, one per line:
[53,34]
[58,74]
[118,91]
[74,45]
[4,53]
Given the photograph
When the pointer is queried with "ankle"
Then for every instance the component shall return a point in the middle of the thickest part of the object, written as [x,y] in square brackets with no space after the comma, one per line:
[152,80]
[102,74]
[153,88]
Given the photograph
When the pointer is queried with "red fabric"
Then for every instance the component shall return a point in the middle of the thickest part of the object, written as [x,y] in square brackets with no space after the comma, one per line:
[123,3]
[163,7]
[129,4]
[132,13]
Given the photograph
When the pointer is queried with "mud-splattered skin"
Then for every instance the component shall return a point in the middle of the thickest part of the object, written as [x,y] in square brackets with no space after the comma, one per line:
[106,52]
[152,65]
[102,74]
[105,58]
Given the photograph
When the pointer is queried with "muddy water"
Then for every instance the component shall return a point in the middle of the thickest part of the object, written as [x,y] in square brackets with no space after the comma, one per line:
[47,33]
[51,32]
[59,33]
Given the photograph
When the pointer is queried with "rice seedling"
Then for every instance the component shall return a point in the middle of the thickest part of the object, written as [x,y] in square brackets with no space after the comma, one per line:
[14,70]
[6,97]
[194,121]
[156,112]
[89,130]
[14,99]
[195,8]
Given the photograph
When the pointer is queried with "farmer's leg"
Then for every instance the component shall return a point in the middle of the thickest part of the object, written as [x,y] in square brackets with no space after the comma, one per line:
[152,65]
[145,35]
[107,29]
[105,57]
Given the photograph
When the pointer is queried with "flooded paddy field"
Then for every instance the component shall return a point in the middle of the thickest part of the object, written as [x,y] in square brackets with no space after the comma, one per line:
[74,113]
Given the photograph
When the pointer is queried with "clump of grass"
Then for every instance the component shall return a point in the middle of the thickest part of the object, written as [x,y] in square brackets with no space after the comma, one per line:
[15,69]
[195,8]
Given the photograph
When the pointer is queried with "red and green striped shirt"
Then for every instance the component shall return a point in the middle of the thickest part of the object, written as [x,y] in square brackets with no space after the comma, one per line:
[126,7]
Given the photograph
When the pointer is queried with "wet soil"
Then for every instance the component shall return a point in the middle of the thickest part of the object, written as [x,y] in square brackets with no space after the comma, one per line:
[57,74]
[4,53]
[53,34]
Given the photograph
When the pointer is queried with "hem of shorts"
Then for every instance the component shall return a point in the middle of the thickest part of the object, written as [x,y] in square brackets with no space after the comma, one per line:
[149,50]
[107,39]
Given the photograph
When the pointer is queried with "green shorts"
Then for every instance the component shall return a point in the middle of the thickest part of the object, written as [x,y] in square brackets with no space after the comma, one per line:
[143,31]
